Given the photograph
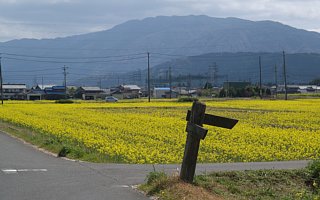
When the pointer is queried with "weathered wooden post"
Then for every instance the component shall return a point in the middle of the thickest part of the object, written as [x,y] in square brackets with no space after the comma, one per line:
[196,118]
[194,126]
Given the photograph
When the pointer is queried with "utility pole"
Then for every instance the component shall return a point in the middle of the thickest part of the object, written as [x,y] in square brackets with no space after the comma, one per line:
[149,93]
[65,80]
[228,86]
[213,73]
[42,82]
[170,83]
[260,78]
[189,82]
[285,76]
[1,82]
[276,79]
[100,82]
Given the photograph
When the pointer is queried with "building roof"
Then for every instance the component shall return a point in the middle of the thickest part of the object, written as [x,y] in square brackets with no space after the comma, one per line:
[58,87]
[162,89]
[91,89]
[42,87]
[186,92]
[131,87]
[289,86]
[14,86]
[304,87]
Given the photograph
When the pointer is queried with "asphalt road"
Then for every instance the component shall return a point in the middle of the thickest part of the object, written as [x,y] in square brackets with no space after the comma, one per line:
[27,173]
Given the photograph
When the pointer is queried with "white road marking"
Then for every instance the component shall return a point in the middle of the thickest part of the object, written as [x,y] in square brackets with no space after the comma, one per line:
[120,186]
[32,170]
[9,171]
[15,171]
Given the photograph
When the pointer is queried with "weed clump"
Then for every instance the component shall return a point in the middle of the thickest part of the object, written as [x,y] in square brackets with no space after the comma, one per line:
[64,151]
[313,173]
[187,99]
[64,101]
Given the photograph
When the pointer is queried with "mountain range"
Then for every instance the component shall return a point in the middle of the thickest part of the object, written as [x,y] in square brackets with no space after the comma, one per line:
[111,54]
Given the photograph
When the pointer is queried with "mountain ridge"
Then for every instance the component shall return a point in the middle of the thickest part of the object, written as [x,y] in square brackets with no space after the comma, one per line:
[175,35]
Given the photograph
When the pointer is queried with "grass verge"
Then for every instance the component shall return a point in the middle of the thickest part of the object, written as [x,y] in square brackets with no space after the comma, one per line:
[262,184]
[62,148]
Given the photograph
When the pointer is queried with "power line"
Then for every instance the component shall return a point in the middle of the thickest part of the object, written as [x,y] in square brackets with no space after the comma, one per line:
[76,62]
[215,55]
[40,70]
[62,58]
[28,75]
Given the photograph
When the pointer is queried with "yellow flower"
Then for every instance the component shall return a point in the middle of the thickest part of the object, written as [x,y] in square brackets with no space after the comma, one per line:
[142,132]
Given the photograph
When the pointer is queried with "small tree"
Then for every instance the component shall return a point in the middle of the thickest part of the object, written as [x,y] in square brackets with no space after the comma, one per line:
[268,92]
[71,92]
[222,93]
[207,86]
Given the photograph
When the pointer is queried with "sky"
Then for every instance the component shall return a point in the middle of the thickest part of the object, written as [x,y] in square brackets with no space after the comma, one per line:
[59,18]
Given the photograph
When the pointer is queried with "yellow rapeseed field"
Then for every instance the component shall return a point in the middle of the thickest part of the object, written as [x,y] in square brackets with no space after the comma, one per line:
[142,132]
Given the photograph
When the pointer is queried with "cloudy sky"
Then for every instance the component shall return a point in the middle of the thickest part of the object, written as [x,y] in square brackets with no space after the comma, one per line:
[57,18]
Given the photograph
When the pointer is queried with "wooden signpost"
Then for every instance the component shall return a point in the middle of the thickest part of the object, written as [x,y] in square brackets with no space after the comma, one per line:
[196,118]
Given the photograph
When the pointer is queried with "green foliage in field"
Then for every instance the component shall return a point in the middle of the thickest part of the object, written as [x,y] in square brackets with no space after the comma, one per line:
[187,99]
[67,101]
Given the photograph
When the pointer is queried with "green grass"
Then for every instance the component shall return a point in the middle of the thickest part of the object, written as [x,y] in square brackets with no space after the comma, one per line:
[63,148]
[261,184]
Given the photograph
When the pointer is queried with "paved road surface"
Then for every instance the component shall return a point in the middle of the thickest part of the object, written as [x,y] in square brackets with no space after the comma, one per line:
[27,173]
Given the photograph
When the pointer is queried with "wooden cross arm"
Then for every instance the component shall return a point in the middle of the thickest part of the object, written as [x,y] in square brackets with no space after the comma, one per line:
[196,130]
[218,121]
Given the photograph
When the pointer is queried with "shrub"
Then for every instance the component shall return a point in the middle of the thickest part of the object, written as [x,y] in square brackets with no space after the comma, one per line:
[155,176]
[187,99]
[64,151]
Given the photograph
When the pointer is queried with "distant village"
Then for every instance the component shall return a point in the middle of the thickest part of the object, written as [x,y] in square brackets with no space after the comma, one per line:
[229,89]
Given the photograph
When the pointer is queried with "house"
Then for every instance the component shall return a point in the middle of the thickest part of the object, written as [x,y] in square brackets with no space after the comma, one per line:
[37,92]
[35,95]
[164,92]
[90,93]
[41,87]
[127,92]
[291,89]
[189,93]
[14,91]
[49,92]
[55,92]
[307,88]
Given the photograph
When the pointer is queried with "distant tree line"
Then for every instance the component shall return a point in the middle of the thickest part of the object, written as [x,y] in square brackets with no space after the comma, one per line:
[249,91]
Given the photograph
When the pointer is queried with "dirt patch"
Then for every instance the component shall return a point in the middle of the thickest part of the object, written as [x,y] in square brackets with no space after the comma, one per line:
[191,192]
